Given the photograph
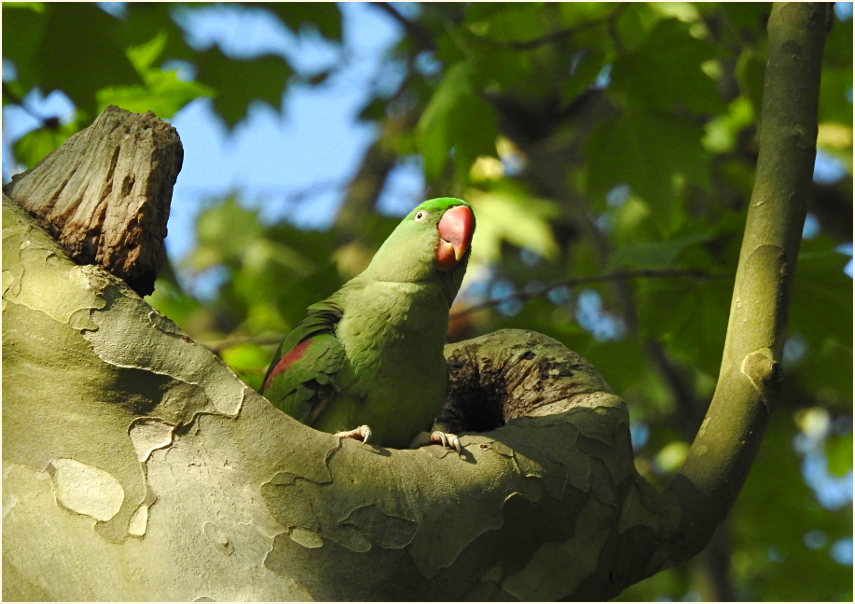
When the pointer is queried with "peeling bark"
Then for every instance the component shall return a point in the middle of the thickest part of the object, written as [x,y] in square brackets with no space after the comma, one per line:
[130,445]
[105,193]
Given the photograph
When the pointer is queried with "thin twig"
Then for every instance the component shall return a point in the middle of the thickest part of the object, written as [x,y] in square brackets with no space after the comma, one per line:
[412,28]
[50,123]
[526,295]
[217,346]
[562,33]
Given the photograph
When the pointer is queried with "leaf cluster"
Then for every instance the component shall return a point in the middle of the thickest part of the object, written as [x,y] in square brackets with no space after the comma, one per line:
[138,56]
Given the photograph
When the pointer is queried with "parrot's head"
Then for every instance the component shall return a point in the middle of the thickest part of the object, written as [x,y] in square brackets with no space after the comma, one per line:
[432,244]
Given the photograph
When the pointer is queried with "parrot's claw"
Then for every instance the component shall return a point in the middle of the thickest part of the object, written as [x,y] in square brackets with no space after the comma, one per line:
[362,433]
[449,441]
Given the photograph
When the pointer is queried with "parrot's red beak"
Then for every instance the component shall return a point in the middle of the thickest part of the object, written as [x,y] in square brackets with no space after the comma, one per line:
[455,234]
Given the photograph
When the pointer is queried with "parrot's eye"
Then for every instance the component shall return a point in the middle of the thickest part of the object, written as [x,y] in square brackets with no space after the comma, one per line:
[420,215]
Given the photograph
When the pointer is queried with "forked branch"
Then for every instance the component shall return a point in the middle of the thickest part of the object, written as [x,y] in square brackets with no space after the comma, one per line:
[749,380]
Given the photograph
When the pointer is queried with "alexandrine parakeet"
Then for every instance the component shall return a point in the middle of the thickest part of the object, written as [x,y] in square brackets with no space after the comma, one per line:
[368,361]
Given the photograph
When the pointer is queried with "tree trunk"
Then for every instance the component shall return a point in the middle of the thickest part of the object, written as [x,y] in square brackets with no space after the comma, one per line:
[137,466]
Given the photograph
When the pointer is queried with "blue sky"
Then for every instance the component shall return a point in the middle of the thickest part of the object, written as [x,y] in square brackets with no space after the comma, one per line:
[293,165]
[313,147]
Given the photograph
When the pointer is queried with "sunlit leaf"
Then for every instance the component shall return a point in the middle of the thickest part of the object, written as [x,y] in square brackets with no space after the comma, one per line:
[163,92]
[248,360]
[505,214]
[34,146]
[456,123]
[838,451]
[62,62]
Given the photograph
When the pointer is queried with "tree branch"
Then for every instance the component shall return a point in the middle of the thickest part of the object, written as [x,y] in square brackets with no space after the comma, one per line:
[526,295]
[750,379]
[150,454]
[418,33]
[561,34]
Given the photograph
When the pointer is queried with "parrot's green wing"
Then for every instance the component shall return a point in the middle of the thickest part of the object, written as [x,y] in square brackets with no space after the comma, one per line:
[301,378]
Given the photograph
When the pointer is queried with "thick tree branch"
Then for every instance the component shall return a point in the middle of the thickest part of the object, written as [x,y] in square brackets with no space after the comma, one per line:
[126,445]
[749,380]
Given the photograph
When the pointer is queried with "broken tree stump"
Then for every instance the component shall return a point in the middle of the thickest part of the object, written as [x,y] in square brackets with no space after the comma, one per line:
[104,195]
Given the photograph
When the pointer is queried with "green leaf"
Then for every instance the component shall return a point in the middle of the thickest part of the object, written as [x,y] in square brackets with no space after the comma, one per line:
[575,14]
[174,303]
[249,361]
[821,314]
[672,456]
[689,317]
[585,71]
[723,132]
[146,19]
[224,231]
[77,53]
[164,92]
[237,82]
[38,144]
[648,151]
[822,294]
[323,17]
[657,254]
[838,451]
[773,512]
[508,214]
[665,72]
[23,23]
[456,122]
[511,22]
[749,71]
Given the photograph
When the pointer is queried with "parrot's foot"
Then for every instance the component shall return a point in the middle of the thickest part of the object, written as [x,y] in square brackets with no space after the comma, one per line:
[449,441]
[362,433]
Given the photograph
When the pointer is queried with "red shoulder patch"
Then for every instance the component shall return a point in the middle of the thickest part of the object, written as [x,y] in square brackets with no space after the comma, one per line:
[293,355]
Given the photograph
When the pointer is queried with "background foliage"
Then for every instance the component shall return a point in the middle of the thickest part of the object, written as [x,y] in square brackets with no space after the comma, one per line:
[591,139]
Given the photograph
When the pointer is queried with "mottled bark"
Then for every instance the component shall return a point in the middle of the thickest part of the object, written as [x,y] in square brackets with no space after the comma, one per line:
[137,459]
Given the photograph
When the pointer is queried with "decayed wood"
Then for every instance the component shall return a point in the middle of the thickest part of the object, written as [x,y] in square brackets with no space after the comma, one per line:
[104,195]
[511,373]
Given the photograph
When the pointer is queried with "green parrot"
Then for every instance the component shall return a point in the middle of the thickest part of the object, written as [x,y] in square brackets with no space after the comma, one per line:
[370,355]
